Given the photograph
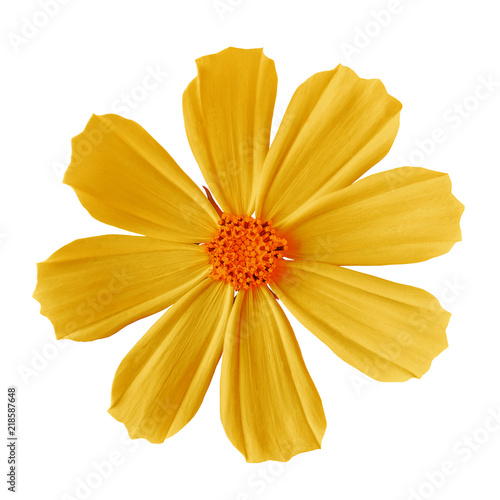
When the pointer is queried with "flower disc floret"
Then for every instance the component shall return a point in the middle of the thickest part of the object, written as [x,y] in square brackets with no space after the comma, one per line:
[245,251]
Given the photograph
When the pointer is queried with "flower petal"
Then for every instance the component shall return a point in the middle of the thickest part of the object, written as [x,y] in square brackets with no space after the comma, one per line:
[336,127]
[162,381]
[124,178]
[390,332]
[270,407]
[93,287]
[228,110]
[395,217]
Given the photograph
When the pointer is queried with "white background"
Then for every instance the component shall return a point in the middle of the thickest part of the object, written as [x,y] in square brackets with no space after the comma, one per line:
[382,440]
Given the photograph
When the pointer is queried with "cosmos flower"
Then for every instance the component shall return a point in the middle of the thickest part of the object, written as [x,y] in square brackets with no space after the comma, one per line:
[291,215]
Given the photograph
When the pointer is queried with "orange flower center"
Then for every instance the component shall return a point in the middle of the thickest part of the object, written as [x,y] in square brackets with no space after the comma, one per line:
[245,251]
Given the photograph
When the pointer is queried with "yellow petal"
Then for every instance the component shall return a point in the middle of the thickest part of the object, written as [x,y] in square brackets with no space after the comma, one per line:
[390,332]
[395,217]
[93,287]
[228,111]
[270,407]
[124,178]
[162,381]
[336,127]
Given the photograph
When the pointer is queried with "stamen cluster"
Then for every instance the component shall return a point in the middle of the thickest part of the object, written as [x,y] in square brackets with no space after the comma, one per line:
[245,251]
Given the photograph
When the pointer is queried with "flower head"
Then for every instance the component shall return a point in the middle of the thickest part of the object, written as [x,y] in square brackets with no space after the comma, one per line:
[245,251]
[291,216]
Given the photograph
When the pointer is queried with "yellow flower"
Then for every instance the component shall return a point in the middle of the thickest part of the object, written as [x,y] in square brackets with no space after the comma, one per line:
[292,214]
